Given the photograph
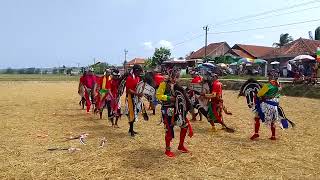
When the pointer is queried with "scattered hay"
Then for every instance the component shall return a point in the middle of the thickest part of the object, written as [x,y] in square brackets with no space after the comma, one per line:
[51,111]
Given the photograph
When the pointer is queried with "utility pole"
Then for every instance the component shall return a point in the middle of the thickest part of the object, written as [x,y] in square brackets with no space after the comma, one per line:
[206,28]
[125,60]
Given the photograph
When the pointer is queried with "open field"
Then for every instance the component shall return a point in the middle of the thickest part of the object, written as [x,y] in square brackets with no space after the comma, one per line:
[37,77]
[36,116]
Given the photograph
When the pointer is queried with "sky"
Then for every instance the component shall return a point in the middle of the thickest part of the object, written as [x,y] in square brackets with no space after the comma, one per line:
[52,33]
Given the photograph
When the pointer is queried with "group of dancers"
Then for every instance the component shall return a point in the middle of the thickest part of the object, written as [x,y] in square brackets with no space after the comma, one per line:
[105,92]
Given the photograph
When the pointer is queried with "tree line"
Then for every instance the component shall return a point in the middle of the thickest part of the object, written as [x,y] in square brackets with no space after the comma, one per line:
[34,70]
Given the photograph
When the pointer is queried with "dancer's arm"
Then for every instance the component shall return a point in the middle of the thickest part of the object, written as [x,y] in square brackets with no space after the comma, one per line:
[263,90]
[160,93]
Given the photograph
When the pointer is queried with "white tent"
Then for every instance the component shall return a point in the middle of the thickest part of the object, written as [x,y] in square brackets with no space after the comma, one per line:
[302,57]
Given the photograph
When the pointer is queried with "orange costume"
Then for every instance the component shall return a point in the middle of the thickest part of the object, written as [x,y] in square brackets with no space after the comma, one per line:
[102,90]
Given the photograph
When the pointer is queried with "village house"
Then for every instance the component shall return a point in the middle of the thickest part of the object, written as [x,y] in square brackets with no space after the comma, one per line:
[249,51]
[289,51]
[213,50]
[139,61]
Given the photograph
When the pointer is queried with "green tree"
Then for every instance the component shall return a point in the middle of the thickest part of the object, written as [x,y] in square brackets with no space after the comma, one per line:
[284,39]
[30,70]
[54,71]
[9,71]
[208,58]
[149,64]
[45,72]
[225,59]
[161,54]
[317,34]
[62,69]
[99,68]
[37,71]
[21,71]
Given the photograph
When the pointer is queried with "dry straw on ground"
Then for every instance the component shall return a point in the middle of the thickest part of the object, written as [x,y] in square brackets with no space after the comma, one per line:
[36,116]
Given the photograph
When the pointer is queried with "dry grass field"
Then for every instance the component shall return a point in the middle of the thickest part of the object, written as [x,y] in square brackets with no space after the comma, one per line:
[36,116]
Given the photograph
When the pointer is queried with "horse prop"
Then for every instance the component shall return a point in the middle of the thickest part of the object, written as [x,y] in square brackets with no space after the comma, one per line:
[250,89]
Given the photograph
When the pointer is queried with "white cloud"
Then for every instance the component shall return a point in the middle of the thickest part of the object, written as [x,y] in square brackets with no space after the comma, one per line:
[258,36]
[166,44]
[148,45]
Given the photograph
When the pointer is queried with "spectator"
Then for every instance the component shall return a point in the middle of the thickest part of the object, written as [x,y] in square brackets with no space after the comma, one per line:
[301,67]
[240,69]
[260,70]
[289,69]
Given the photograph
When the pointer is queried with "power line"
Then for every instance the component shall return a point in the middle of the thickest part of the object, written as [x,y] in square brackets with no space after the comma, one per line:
[187,40]
[249,18]
[291,12]
[266,27]
[243,30]
[255,15]
[266,12]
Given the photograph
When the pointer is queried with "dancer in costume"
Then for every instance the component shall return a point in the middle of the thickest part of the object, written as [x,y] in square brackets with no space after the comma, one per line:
[115,106]
[207,97]
[267,105]
[131,84]
[89,82]
[209,100]
[81,90]
[195,82]
[165,94]
[158,79]
[102,90]
[216,106]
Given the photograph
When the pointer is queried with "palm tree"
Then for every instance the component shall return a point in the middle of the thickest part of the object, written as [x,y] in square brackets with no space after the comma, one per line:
[284,39]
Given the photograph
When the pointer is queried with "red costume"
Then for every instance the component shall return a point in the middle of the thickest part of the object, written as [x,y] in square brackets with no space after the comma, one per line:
[158,78]
[114,94]
[102,89]
[131,84]
[88,81]
[196,80]
[216,102]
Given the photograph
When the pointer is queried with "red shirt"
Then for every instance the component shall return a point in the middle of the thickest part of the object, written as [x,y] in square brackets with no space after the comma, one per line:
[88,81]
[131,83]
[196,80]
[114,87]
[158,78]
[82,79]
[217,88]
[99,81]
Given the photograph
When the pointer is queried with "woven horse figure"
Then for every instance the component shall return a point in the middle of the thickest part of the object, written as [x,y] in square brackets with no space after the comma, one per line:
[183,105]
[149,93]
[202,105]
[153,79]
[250,89]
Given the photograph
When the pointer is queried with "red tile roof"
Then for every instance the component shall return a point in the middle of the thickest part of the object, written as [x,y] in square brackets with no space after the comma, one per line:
[136,61]
[240,53]
[212,50]
[298,47]
[253,50]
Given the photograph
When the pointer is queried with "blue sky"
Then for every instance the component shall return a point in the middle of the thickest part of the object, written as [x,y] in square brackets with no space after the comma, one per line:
[47,33]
